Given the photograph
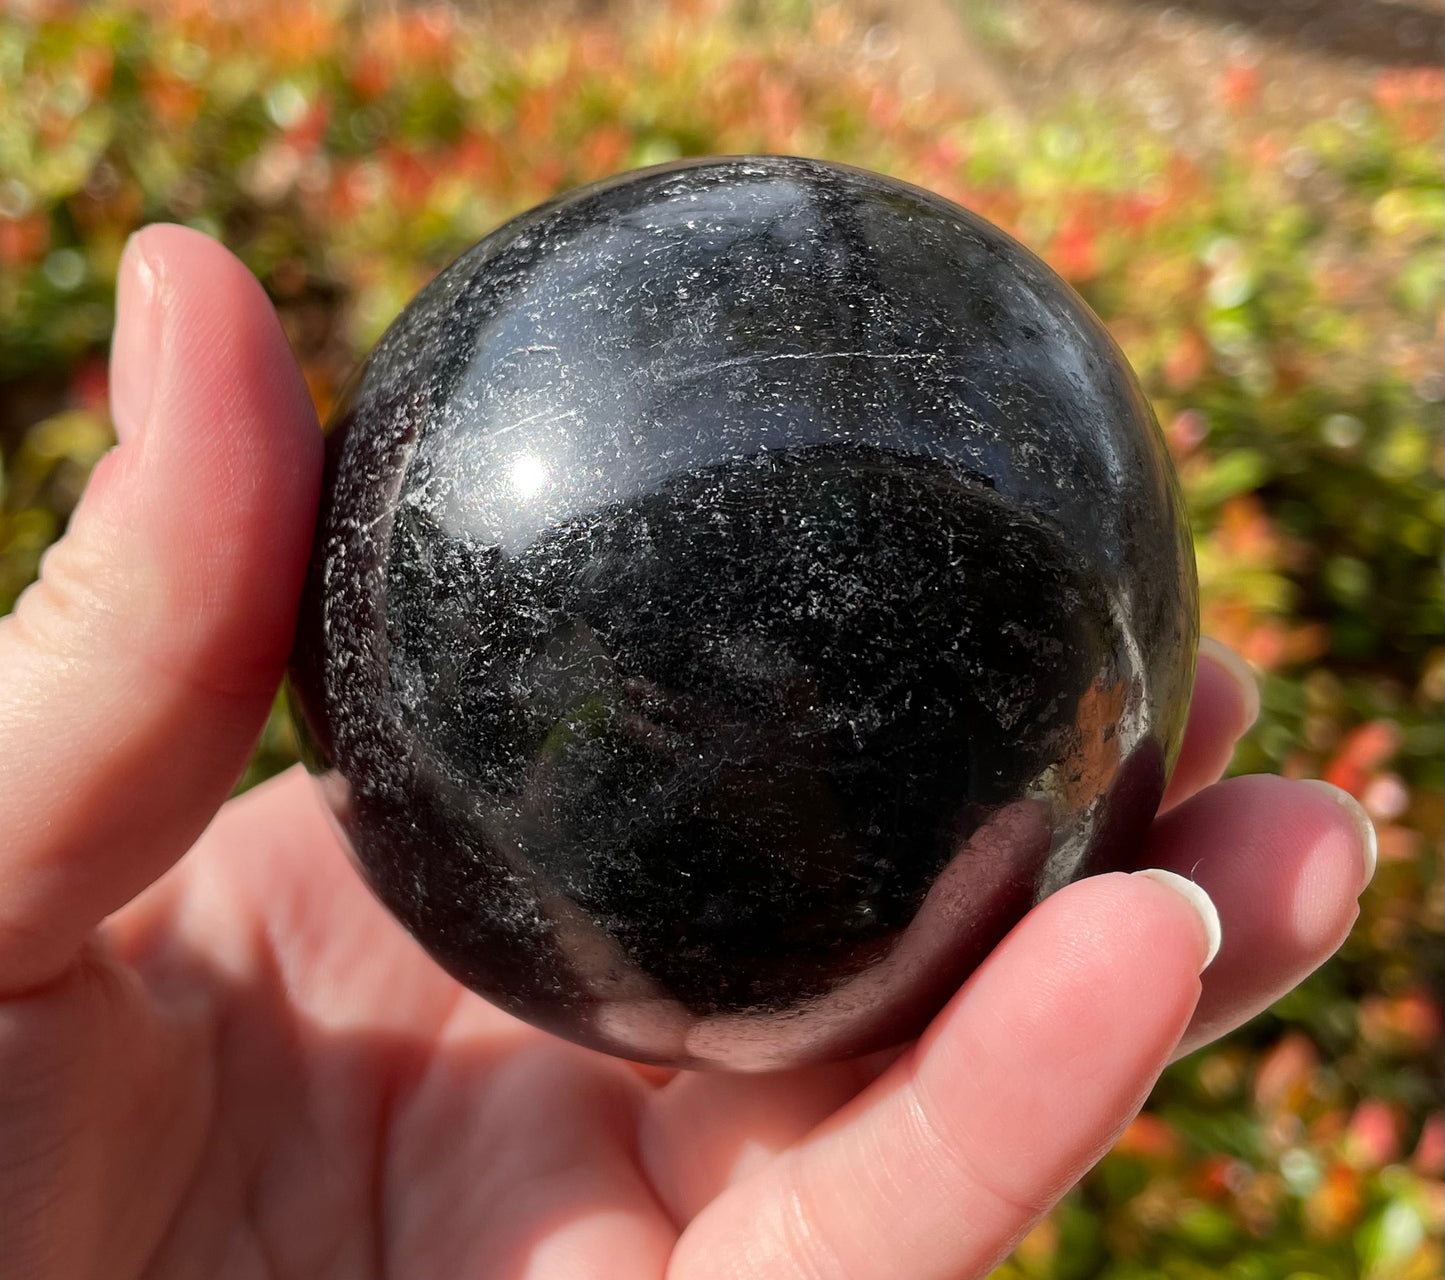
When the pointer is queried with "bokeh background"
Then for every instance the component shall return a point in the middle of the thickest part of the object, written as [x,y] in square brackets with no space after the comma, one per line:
[1250,195]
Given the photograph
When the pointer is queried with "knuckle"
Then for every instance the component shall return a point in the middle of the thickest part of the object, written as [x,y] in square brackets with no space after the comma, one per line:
[945,1145]
[71,603]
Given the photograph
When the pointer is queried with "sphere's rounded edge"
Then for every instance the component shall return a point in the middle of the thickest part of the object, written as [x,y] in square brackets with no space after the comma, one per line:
[589,1022]
[1192,621]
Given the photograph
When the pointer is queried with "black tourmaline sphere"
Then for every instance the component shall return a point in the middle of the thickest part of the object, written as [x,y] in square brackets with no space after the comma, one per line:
[741,590]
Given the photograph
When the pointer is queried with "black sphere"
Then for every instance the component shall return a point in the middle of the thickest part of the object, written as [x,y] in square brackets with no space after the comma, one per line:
[741,590]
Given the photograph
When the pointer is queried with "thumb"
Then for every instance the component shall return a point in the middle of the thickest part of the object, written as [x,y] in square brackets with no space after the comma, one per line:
[139,669]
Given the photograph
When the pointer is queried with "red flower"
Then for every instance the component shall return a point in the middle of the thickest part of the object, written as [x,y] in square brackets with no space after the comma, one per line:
[1075,251]
[1429,1157]
[1399,88]
[1364,751]
[23,240]
[90,386]
[1283,1079]
[1373,1139]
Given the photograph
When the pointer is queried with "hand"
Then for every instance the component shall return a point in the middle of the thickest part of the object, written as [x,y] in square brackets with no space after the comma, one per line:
[234,1064]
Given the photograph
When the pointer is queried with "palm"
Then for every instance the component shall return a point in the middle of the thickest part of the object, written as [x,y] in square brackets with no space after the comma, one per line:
[367,1116]
[319,1099]
[247,1069]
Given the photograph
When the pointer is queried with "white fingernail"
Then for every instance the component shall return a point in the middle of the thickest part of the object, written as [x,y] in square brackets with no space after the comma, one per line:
[1238,670]
[1369,842]
[135,348]
[1198,899]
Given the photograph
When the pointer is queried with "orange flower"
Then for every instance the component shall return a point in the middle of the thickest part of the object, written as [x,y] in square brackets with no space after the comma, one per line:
[1245,530]
[535,116]
[297,33]
[370,75]
[1149,1137]
[1336,1204]
[174,101]
[93,67]
[1408,1023]
[1239,86]
[604,150]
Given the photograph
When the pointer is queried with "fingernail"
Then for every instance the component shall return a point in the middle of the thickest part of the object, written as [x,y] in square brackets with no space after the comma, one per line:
[135,347]
[1364,825]
[1202,903]
[1238,670]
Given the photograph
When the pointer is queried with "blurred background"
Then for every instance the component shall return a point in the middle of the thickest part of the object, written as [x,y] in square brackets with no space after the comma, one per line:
[1249,192]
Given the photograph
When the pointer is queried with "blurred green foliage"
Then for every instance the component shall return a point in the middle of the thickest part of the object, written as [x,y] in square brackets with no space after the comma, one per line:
[1281,299]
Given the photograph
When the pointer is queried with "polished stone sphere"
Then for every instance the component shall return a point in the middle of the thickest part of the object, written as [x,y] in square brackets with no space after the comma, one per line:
[741,590]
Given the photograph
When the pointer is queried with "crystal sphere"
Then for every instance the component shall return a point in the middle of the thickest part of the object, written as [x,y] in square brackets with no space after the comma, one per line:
[741,590]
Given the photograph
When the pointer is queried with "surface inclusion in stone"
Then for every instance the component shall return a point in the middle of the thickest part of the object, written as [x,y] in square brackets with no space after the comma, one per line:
[741,590]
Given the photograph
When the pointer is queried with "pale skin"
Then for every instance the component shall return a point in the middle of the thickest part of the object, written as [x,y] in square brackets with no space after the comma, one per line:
[220,1058]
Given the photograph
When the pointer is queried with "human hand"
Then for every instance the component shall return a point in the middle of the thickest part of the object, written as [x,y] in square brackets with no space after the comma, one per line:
[235,1064]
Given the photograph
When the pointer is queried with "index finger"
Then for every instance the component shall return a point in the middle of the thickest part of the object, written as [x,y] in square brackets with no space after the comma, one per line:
[936,1169]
